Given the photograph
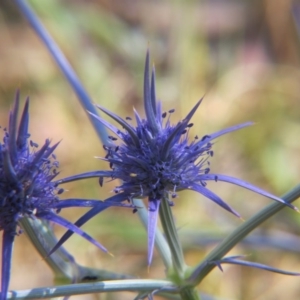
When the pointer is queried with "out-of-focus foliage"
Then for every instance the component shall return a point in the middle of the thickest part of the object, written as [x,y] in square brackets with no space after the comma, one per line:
[242,55]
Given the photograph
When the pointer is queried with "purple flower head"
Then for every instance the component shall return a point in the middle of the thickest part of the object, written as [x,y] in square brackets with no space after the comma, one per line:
[26,187]
[26,174]
[155,159]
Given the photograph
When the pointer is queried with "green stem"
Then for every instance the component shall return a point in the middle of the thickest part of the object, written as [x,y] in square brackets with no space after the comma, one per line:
[189,293]
[180,268]
[168,224]
[237,235]
[135,285]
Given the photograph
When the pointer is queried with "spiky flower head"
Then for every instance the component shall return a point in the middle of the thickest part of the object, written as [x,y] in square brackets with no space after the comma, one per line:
[155,158]
[26,173]
[26,186]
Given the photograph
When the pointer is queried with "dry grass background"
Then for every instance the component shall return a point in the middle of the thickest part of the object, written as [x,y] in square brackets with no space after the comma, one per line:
[243,55]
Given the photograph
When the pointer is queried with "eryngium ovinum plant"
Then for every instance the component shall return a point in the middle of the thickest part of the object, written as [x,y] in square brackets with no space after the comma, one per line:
[154,159]
[150,159]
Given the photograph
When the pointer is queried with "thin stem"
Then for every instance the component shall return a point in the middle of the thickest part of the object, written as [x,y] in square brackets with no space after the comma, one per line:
[7,248]
[96,287]
[271,239]
[237,235]
[168,224]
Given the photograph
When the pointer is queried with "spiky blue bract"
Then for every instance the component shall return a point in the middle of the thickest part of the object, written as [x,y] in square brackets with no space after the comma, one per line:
[155,159]
[27,188]
[234,260]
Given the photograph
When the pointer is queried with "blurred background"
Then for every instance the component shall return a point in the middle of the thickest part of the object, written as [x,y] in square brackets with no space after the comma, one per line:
[242,55]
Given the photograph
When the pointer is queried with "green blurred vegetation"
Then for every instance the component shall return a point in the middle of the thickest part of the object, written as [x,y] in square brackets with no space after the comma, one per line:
[242,55]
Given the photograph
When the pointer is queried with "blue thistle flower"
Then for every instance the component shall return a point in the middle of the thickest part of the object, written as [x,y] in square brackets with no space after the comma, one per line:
[155,160]
[27,189]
